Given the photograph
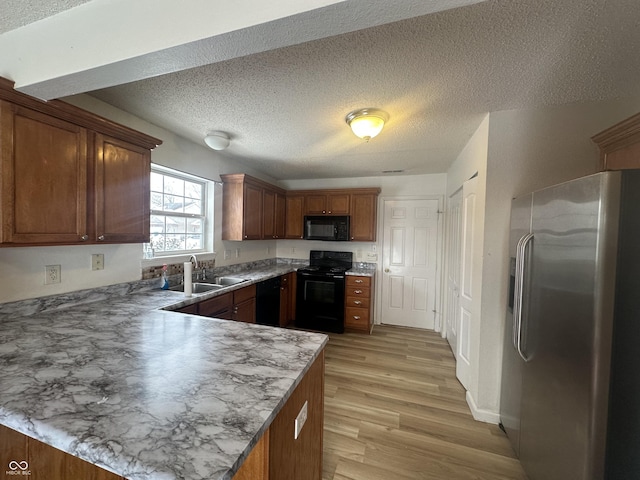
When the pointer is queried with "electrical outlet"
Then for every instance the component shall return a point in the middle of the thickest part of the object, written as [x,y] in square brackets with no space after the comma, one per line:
[300,419]
[227,254]
[97,261]
[268,250]
[52,274]
[237,253]
[293,250]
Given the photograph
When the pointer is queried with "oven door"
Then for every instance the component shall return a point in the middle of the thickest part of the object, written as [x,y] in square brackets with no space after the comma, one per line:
[320,302]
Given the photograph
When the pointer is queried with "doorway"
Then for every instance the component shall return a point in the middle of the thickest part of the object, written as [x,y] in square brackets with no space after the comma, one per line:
[410,266]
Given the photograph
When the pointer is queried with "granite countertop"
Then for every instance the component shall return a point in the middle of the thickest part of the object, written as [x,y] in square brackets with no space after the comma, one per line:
[148,393]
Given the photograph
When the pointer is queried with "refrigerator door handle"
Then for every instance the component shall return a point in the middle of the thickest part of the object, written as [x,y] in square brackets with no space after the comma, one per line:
[516,295]
[520,272]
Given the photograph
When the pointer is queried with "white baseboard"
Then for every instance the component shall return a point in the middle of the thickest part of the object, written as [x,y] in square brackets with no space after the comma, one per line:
[486,416]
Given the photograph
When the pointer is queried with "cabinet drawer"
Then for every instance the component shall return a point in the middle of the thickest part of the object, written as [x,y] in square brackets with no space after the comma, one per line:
[357,302]
[356,281]
[216,305]
[363,292]
[244,294]
[357,318]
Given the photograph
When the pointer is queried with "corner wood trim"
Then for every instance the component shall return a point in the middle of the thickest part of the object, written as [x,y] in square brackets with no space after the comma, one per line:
[620,145]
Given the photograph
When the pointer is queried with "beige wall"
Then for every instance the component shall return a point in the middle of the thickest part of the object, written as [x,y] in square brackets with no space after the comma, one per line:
[528,150]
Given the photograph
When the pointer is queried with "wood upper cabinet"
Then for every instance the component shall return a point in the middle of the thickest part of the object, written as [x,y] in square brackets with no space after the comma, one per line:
[281,215]
[44,178]
[363,217]
[251,209]
[122,175]
[294,217]
[68,176]
[319,203]
[620,145]
[273,214]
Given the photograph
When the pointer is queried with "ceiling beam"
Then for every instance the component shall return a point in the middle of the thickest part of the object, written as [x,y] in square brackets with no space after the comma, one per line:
[101,44]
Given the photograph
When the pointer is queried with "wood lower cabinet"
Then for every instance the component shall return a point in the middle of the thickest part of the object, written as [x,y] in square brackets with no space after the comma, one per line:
[276,456]
[358,303]
[217,307]
[44,462]
[244,305]
[301,458]
[287,299]
[256,466]
[192,309]
[239,305]
[68,176]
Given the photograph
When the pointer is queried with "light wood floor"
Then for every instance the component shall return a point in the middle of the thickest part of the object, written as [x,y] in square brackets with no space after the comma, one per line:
[395,411]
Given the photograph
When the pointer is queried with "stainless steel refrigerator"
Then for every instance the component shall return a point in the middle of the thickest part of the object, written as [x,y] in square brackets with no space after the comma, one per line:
[570,396]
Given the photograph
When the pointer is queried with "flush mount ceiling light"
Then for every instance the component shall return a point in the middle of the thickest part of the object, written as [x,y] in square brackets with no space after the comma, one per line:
[217,140]
[366,123]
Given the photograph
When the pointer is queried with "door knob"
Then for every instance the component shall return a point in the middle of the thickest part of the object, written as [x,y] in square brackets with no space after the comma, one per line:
[386,270]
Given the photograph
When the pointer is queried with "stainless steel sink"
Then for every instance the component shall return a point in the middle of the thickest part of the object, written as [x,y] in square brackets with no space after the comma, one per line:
[198,287]
[226,281]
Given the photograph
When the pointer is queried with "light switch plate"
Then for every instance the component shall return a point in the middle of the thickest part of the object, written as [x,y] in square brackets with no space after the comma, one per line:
[300,419]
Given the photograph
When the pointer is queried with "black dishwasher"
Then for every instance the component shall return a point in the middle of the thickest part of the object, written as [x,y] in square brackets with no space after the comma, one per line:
[268,302]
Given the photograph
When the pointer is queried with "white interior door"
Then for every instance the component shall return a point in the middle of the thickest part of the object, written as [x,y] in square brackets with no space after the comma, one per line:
[454,229]
[409,263]
[468,310]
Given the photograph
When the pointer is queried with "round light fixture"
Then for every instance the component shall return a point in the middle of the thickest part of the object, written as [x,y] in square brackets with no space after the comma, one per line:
[217,140]
[366,123]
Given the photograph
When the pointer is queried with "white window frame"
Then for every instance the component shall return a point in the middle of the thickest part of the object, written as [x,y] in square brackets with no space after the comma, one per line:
[206,216]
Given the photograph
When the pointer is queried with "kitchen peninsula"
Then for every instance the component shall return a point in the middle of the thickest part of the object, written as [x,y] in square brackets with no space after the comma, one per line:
[147,393]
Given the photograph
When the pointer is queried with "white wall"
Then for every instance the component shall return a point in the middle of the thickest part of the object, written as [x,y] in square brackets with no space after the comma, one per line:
[528,150]
[23,268]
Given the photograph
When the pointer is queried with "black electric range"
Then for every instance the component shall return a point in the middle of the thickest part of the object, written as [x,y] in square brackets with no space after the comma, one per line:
[320,291]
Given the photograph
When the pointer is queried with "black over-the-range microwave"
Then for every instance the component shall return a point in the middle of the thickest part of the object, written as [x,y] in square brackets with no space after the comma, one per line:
[326,228]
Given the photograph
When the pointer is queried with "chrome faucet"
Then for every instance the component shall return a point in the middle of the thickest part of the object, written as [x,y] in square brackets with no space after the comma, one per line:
[193,259]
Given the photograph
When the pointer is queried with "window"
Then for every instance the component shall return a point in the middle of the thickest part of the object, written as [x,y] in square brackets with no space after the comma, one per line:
[178,213]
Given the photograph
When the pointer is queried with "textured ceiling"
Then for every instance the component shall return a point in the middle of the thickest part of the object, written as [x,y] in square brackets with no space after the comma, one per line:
[436,75]
[18,13]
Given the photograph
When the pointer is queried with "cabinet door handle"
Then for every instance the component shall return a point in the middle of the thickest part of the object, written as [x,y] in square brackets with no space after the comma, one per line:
[359,281]
[357,302]
[357,292]
[356,317]
[84,238]
[101,237]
